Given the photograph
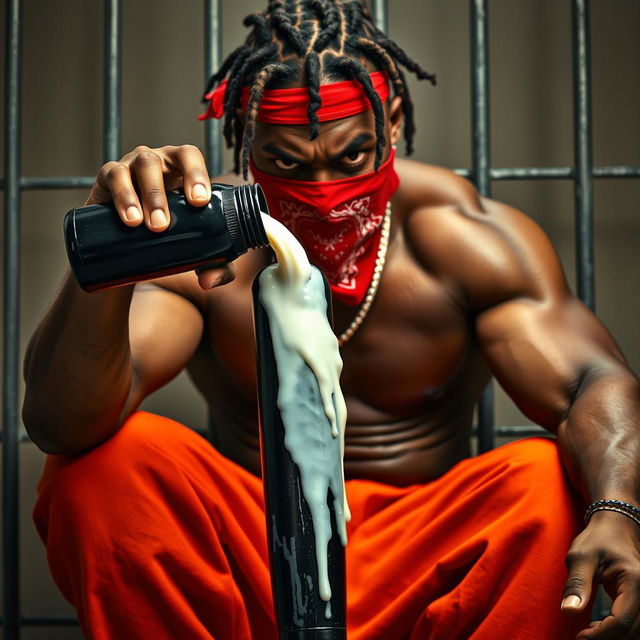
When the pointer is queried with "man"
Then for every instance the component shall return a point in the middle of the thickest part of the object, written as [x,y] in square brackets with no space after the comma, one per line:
[151,532]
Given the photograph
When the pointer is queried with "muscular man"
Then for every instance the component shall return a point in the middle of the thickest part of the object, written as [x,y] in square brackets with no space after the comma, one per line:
[152,532]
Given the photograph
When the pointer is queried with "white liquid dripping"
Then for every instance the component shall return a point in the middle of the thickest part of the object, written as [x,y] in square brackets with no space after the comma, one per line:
[311,403]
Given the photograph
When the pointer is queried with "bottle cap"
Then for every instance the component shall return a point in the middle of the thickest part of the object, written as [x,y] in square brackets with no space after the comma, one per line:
[243,208]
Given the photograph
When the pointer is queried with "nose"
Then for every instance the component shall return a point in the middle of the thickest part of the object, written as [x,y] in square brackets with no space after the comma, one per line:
[321,174]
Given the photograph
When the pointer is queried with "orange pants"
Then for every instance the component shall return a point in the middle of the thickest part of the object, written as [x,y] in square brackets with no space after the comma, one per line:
[156,535]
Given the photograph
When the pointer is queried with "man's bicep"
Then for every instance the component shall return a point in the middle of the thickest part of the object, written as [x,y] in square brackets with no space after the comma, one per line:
[165,329]
[540,350]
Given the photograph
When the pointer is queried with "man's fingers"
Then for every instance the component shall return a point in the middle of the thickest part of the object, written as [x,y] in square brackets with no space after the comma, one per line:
[115,179]
[137,184]
[191,164]
[623,623]
[148,169]
[610,629]
[210,277]
[582,570]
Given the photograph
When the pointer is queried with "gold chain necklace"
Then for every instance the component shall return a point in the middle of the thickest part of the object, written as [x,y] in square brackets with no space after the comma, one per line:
[375,280]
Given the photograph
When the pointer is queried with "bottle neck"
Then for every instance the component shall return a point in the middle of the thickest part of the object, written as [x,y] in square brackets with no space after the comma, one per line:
[243,208]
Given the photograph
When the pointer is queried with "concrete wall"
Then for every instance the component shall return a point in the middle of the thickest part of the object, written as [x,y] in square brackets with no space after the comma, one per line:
[531,114]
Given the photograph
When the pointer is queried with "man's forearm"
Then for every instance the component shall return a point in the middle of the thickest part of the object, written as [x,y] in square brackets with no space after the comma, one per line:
[78,368]
[600,438]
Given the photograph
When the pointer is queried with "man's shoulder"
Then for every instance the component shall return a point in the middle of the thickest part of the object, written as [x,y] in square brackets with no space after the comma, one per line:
[431,186]
[443,213]
[487,249]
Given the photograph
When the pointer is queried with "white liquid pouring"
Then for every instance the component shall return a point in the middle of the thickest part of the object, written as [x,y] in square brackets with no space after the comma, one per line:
[310,400]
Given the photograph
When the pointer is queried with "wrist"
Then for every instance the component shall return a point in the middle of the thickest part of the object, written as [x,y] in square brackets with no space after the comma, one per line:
[613,506]
[611,524]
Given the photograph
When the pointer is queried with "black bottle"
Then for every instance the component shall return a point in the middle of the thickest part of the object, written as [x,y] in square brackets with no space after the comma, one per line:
[104,252]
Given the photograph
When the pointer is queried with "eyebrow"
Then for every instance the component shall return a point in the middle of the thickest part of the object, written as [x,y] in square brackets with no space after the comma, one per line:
[352,146]
[272,147]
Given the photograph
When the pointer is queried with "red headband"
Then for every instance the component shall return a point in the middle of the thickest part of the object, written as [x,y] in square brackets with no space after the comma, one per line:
[290,106]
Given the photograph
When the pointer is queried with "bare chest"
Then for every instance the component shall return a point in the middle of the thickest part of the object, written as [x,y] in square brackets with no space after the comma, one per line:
[411,346]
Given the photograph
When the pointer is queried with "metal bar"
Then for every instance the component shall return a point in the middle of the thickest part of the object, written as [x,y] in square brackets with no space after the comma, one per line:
[112,79]
[11,314]
[380,14]
[616,172]
[516,431]
[212,62]
[480,96]
[72,182]
[49,621]
[213,126]
[582,140]
[583,153]
[552,173]
[500,173]
[555,173]
[480,166]
[486,430]
[23,436]
[583,176]
[532,173]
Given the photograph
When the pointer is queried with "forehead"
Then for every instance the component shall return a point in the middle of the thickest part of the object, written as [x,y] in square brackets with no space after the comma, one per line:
[331,132]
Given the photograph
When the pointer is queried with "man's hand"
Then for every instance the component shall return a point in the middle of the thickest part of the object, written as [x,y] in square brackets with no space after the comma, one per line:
[137,186]
[606,552]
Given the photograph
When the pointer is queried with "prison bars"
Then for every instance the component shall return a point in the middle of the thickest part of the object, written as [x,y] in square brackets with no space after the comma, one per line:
[480,161]
[11,310]
[481,173]
[212,61]
[13,184]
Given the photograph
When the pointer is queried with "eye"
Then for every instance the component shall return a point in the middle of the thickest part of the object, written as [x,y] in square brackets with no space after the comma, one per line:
[287,165]
[356,157]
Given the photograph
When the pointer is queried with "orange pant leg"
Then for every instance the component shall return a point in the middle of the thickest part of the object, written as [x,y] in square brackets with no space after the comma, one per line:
[154,534]
[478,554]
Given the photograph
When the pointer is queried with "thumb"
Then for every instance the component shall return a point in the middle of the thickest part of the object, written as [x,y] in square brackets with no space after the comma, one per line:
[577,590]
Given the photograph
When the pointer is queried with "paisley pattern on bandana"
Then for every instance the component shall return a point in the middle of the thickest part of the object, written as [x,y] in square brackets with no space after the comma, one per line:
[338,240]
[338,222]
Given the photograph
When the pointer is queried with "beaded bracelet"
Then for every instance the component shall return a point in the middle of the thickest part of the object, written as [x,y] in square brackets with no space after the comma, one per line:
[613,505]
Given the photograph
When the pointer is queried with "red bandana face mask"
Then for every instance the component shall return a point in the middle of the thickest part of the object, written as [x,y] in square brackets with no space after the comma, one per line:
[339,222]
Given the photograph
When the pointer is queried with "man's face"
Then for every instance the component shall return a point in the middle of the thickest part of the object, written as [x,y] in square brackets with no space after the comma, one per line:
[342,149]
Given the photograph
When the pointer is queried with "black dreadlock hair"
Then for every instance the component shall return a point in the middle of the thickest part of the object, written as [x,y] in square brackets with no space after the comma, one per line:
[294,40]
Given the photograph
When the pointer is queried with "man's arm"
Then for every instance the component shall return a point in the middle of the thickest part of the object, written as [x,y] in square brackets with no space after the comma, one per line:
[77,368]
[558,362]
[561,367]
[94,357]
[552,355]
[564,370]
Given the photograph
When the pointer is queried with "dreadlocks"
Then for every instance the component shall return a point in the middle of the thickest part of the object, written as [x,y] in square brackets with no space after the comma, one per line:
[308,40]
